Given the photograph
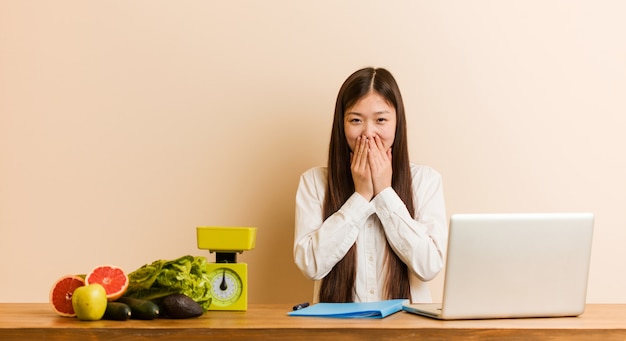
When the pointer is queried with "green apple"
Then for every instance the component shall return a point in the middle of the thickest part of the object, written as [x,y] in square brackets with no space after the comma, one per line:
[89,302]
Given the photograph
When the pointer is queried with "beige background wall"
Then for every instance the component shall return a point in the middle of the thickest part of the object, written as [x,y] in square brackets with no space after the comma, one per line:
[126,124]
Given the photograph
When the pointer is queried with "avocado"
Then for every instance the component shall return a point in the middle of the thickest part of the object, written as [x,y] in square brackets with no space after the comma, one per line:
[179,306]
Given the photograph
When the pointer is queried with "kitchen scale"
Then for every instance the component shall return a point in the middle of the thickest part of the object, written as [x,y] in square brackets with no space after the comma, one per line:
[228,279]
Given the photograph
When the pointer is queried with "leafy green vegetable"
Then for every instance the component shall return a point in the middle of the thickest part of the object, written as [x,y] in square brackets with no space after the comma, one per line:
[186,275]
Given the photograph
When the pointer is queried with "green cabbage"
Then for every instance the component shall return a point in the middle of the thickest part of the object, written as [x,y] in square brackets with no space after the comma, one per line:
[186,275]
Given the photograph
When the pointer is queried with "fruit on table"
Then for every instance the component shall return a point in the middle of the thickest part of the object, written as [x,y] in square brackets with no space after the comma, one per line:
[61,294]
[141,309]
[89,302]
[179,306]
[81,295]
[112,278]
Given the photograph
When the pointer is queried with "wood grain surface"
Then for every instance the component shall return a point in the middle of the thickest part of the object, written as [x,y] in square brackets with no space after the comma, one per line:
[32,321]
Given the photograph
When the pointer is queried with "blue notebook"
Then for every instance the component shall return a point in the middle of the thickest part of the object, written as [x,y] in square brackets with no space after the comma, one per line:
[377,309]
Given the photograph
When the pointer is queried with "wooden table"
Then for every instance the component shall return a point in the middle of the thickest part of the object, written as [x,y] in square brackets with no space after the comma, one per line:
[37,321]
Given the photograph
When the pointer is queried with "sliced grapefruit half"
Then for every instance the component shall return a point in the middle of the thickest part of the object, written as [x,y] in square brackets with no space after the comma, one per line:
[112,278]
[61,294]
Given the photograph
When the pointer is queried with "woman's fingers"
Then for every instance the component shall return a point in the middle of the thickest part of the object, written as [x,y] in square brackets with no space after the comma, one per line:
[380,165]
[361,174]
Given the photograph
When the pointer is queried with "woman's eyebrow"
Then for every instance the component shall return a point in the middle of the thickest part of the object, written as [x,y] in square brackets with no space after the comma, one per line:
[353,113]
[375,113]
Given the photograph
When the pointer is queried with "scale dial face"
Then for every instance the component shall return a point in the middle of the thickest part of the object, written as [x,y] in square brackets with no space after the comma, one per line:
[226,286]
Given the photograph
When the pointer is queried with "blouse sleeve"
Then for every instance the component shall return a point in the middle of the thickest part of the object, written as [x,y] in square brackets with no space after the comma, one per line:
[319,244]
[419,242]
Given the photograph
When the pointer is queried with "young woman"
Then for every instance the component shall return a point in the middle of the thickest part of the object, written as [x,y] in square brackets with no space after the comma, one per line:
[371,225]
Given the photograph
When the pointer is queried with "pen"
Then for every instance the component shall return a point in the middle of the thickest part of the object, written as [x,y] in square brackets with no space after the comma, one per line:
[300,306]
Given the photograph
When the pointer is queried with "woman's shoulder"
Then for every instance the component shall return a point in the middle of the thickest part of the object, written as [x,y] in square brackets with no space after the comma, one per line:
[424,172]
[314,180]
[318,172]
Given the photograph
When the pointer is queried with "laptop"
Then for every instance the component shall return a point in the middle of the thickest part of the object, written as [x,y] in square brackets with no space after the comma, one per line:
[514,266]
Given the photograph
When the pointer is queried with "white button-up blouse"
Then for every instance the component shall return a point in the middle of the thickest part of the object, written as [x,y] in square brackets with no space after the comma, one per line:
[419,242]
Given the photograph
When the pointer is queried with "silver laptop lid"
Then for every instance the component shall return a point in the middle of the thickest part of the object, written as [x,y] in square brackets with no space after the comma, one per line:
[517,265]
